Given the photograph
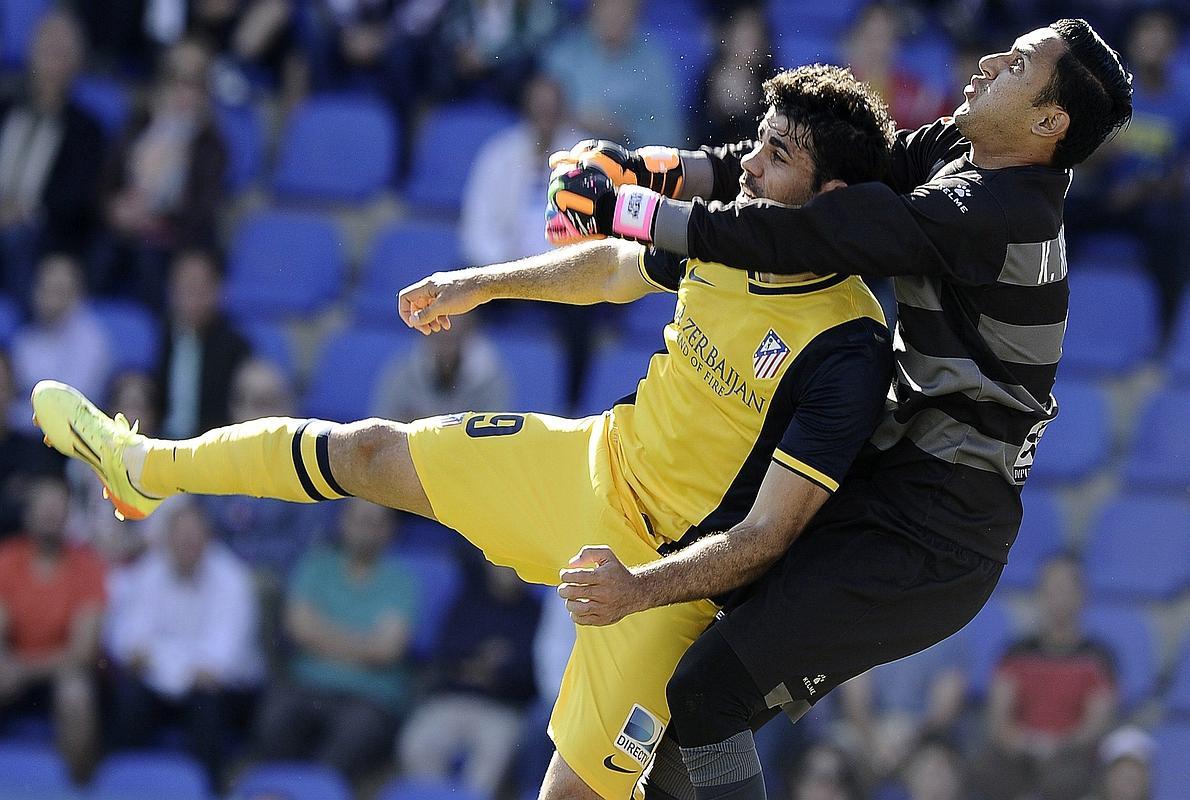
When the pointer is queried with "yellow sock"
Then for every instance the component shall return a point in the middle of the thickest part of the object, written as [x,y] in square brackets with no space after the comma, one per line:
[277,457]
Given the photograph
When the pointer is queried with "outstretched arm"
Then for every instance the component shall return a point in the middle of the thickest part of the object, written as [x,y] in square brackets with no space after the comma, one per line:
[599,590]
[592,272]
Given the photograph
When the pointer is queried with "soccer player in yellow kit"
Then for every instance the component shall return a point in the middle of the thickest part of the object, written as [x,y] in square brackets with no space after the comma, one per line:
[746,421]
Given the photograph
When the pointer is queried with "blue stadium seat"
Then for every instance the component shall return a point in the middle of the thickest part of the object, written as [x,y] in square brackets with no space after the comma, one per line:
[424,789]
[269,342]
[1129,633]
[1178,359]
[10,318]
[1041,536]
[243,133]
[146,775]
[689,45]
[1139,549]
[794,49]
[615,372]
[536,372]
[343,383]
[401,254]
[1078,442]
[1177,701]
[291,780]
[1172,766]
[337,149]
[808,18]
[643,320]
[435,183]
[441,579]
[18,23]
[133,332]
[106,99]
[1095,344]
[284,263]
[1159,457]
[32,771]
[985,639]
[1108,250]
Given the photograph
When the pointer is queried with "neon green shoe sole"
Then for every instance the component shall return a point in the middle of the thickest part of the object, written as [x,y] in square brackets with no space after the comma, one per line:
[76,428]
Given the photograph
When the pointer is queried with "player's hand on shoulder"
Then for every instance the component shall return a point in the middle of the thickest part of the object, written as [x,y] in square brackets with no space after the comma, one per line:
[428,305]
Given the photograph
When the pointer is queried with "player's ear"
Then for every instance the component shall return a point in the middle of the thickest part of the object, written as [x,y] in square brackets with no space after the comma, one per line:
[1053,124]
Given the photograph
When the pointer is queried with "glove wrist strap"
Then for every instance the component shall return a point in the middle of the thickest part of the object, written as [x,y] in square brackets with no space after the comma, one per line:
[636,210]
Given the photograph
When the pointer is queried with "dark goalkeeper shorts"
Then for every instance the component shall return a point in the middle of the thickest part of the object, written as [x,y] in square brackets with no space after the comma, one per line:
[853,591]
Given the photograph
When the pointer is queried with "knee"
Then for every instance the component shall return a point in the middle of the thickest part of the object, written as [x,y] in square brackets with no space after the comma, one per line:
[689,694]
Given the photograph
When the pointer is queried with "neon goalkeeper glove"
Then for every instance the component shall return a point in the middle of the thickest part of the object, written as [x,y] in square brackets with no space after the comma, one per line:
[654,167]
[584,204]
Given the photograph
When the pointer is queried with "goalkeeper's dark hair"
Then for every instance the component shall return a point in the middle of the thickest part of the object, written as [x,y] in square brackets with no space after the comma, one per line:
[843,124]
[1091,85]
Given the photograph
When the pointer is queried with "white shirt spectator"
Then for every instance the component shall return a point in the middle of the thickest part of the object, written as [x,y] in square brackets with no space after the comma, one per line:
[74,351]
[184,627]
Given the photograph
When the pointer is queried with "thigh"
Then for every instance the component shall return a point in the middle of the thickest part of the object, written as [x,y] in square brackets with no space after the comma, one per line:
[612,711]
[527,489]
[848,597]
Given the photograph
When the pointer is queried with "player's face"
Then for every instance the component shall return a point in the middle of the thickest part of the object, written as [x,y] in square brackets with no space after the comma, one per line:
[779,167]
[999,99]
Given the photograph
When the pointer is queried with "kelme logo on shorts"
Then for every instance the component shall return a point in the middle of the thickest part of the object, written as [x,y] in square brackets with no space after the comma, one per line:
[640,734]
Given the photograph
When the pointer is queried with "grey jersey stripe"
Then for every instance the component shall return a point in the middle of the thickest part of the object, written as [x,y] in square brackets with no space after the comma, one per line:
[937,434]
[919,291]
[1035,263]
[937,377]
[1023,344]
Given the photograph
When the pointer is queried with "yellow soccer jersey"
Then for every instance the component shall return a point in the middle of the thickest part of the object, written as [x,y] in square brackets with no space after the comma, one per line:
[752,372]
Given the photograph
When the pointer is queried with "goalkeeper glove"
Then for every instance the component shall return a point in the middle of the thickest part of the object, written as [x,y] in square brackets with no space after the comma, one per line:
[585,204]
[656,168]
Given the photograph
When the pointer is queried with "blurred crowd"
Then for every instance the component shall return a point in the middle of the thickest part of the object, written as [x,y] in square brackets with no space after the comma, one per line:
[145,148]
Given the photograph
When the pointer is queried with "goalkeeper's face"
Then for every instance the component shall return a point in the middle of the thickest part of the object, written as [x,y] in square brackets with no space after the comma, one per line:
[779,167]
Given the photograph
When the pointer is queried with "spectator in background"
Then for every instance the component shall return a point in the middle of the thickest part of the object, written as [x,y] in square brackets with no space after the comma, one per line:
[462,372]
[1126,758]
[22,457]
[63,341]
[871,47]
[731,91]
[201,349]
[935,770]
[184,641]
[51,605]
[517,160]
[889,709]
[163,185]
[494,45]
[253,43]
[621,82]
[482,682]
[350,614]
[1052,698]
[1145,168]
[49,156]
[271,535]
[825,773]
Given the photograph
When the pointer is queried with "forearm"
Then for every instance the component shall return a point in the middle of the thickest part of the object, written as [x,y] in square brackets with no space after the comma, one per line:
[711,566]
[582,274]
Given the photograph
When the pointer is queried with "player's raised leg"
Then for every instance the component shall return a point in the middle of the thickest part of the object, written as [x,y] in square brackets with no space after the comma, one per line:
[299,460]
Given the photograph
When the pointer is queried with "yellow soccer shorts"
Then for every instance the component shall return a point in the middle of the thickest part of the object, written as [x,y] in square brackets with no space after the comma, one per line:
[530,490]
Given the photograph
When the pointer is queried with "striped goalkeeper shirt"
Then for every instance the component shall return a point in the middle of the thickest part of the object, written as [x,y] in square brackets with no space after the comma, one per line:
[979,266]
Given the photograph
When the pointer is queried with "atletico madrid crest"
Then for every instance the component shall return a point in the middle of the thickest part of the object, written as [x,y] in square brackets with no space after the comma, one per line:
[769,356]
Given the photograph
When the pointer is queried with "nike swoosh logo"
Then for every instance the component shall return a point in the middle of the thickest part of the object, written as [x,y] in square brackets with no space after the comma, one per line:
[694,276]
[607,762]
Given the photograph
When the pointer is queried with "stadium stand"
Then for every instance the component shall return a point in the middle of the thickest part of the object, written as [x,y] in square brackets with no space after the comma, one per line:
[409,789]
[1042,534]
[284,263]
[1120,569]
[345,371]
[1128,632]
[32,771]
[136,331]
[336,149]
[1078,443]
[1159,457]
[435,183]
[291,780]
[402,254]
[1096,344]
[141,775]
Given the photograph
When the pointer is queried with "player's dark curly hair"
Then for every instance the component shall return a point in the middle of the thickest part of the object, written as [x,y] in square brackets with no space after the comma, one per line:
[841,121]
[1092,86]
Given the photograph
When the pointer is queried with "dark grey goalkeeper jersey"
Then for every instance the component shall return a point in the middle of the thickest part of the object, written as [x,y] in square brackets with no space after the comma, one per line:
[979,262]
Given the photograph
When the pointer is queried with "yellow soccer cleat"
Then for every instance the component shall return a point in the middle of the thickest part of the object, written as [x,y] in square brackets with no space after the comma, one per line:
[76,428]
